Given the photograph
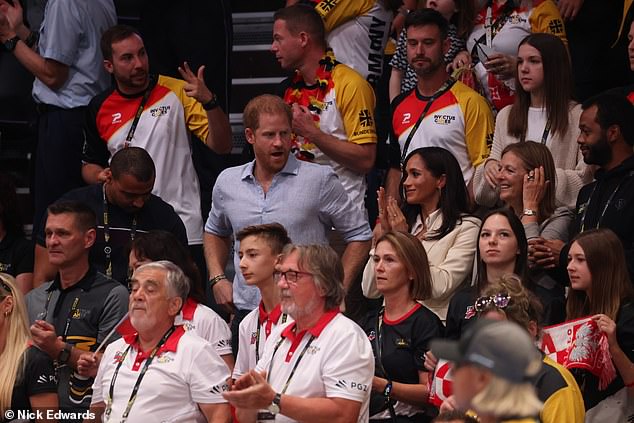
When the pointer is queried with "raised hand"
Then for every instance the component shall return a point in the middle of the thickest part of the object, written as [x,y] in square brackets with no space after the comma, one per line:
[195,86]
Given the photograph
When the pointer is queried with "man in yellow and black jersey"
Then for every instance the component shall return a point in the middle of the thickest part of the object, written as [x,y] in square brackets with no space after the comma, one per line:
[333,106]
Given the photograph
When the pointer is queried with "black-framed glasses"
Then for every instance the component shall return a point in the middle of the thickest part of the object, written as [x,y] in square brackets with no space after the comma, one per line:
[500,300]
[291,276]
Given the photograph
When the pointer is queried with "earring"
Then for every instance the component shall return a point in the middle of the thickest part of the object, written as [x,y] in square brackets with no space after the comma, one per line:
[6,314]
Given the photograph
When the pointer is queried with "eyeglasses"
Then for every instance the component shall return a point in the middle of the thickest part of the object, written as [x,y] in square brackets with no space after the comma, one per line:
[290,275]
[500,300]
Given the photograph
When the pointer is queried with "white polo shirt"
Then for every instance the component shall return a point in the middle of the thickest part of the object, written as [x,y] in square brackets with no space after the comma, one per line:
[207,324]
[338,363]
[186,371]
[254,330]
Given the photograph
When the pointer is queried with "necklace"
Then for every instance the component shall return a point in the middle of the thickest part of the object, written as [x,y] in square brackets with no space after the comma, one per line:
[311,97]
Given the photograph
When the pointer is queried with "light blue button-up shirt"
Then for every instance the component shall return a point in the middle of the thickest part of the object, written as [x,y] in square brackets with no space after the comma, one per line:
[70,34]
[308,199]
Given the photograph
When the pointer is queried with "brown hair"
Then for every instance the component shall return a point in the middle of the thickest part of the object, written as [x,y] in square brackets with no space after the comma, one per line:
[557,87]
[411,251]
[303,18]
[113,35]
[605,258]
[274,234]
[523,306]
[534,155]
[265,103]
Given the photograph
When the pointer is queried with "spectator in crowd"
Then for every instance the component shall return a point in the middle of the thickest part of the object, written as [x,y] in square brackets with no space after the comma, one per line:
[502,250]
[154,112]
[357,31]
[460,14]
[27,373]
[404,280]
[194,315]
[606,140]
[454,416]
[260,249]
[436,211]
[187,376]
[124,206]
[16,252]
[75,311]
[319,367]
[543,111]
[440,111]
[492,46]
[307,199]
[494,362]
[332,105]
[601,287]
[526,185]
[65,59]
[506,298]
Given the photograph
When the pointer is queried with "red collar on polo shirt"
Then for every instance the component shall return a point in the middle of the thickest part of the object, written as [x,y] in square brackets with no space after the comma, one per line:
[270,318]
[170,345]
[296,338]
[189,308]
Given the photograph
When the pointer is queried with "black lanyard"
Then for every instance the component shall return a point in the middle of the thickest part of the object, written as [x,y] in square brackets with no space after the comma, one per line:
[288,381]
[135,389]
[448,84]
[546,132]
[257,335]
[71,313]
[107,249]
[137,116]
[607,204]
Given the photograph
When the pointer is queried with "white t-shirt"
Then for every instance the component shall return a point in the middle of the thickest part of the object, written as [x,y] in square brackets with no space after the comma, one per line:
[207,324]
[337,364]
[186,371]
[251,341]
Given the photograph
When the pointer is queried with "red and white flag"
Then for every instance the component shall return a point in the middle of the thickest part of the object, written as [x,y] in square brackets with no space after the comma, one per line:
[440,383]
[580,344]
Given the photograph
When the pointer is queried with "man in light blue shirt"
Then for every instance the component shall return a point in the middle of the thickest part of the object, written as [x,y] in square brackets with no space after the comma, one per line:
[68,70]
[306,198]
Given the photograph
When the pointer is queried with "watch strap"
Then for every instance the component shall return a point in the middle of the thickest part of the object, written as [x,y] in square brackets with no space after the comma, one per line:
[211,104]
[11,43]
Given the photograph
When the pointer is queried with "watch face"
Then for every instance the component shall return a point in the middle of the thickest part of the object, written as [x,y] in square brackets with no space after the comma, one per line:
[274,408]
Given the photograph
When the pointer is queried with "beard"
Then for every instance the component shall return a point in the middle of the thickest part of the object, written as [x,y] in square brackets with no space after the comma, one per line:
[599,153]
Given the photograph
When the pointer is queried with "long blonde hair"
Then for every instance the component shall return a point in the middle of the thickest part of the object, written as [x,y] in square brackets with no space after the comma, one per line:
[17,335]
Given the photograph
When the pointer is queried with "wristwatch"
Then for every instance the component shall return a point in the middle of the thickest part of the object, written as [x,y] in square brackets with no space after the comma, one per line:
[529,212]
[11,43]
[211,104]
[64,355]
[275,406]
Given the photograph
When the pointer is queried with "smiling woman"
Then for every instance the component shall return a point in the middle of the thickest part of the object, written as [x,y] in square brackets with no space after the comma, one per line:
[436,212]
[543,111]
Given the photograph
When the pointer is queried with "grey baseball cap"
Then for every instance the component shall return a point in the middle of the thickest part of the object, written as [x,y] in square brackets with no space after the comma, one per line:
[502,347]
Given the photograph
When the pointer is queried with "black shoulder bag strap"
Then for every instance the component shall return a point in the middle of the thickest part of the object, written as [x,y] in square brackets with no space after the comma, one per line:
[443,89]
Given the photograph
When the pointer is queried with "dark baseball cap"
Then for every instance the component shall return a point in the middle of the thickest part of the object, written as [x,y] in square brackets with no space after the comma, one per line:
[502,347]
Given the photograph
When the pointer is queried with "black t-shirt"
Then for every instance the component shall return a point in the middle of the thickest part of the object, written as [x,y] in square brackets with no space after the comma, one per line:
[461,313]
[38,378]
[156,214]
[404,342]
[588,382]
[16,255]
